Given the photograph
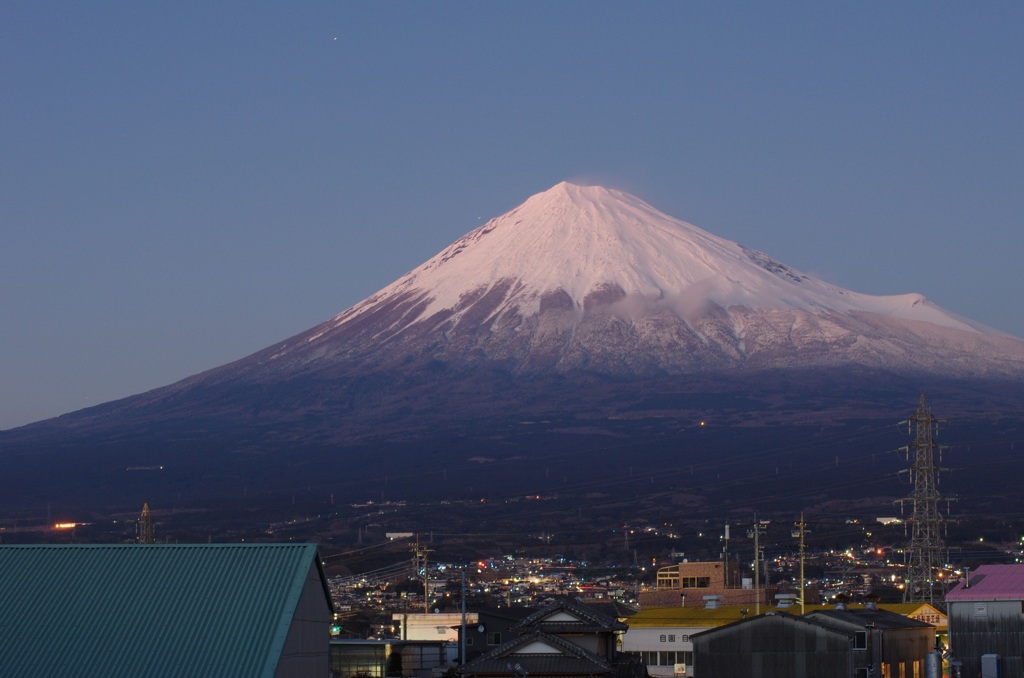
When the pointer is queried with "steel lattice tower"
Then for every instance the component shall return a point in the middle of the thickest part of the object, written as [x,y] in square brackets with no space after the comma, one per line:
[926,552]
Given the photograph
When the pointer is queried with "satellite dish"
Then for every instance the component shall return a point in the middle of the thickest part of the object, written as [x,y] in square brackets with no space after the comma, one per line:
[480,628]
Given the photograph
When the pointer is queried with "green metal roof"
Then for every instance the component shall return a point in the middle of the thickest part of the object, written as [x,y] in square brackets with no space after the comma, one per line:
[149,610]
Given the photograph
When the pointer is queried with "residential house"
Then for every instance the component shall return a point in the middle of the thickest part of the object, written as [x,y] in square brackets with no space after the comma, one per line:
[565,638]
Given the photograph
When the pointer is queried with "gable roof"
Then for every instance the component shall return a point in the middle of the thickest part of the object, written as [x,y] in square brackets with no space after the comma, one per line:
[538,653]
[569,616]
[142,609]
[910,609]
[770,619]
[990,582]
[881,619]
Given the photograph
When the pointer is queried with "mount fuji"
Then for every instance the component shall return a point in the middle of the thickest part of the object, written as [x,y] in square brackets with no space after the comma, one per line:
[584,311]
[584,278]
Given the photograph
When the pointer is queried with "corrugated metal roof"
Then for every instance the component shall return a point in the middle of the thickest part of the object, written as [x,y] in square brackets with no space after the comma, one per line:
[658,617]
[148,610]
[882,619]
[991,582]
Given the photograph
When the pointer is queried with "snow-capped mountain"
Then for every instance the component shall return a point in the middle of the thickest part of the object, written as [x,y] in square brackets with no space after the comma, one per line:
[594,279]
[582,316]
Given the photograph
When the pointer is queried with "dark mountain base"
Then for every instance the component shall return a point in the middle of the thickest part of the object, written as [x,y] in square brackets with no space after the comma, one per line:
[768,442]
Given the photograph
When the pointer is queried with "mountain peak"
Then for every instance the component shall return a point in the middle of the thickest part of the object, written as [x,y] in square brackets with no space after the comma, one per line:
[578,241]
[592,278]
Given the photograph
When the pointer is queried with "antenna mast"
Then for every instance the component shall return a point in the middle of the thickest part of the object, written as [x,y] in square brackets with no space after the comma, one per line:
[926,551]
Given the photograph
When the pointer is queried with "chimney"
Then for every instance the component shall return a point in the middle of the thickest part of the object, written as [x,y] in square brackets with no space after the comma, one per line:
[870,602]
[841,601]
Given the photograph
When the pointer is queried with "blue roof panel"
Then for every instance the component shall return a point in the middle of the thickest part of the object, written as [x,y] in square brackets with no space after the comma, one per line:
[147,610]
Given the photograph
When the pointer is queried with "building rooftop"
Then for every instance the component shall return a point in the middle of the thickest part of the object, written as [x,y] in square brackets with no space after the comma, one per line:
[701,616]
[990,582]
[137,610]
[882,619]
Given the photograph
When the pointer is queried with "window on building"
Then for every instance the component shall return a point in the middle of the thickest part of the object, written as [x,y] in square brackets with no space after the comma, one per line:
[696,582]
[662,638]
[671,638]
[860,640]
[860,673]
[494,638]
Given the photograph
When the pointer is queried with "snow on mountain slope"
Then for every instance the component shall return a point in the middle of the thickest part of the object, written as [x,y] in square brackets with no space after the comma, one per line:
[586,239]
[585,277]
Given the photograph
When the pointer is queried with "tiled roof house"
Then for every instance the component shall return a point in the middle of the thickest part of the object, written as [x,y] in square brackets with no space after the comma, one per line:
[565,638]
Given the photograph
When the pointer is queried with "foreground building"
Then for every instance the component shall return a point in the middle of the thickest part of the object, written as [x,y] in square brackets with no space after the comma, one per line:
[833,643]
[986,621]
[663,637]
[149,610]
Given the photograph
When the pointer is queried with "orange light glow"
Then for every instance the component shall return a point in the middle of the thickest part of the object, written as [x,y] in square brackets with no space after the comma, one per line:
[65,526]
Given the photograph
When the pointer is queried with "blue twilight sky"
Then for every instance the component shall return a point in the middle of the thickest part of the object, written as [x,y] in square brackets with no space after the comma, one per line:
[184,183]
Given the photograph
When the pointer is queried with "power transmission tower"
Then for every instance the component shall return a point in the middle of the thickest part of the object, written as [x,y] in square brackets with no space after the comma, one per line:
[926,551]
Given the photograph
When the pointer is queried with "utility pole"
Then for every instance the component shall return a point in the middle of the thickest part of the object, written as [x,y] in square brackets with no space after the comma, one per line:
[144,527]
[725,556]
[926,550]
[420,552]
[462,629]
[800,532]
[756,533]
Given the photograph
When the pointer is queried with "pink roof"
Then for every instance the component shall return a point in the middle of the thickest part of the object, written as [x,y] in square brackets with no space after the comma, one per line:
[991,582]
